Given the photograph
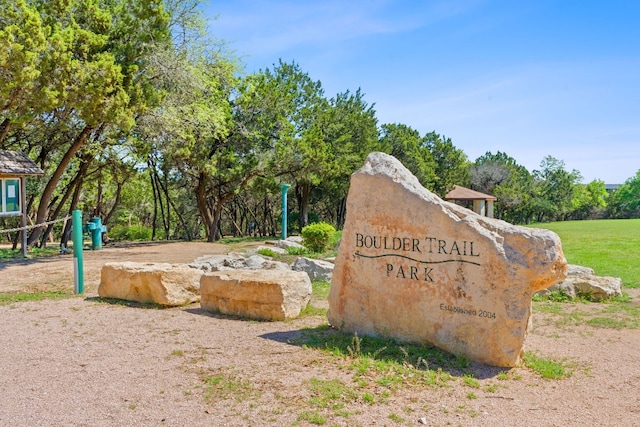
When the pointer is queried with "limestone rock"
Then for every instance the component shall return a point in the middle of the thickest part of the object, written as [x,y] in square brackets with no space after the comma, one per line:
[416,268]
[315,268]
[258,294]
[599,288]
[583,281]
[229,261]
[284,244]
[257,262]
[273,248]
[159,283]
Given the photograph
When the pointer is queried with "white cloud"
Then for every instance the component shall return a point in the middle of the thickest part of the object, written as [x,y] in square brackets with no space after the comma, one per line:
[269,27]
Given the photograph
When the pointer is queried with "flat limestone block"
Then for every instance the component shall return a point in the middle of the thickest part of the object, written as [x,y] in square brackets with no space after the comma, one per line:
[416,268]
[258,294]
[159,283]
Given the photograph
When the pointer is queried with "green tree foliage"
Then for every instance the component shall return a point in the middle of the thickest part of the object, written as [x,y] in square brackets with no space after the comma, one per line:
[406,145]
[625,200]
[451,164]
[554,190]
[589,200]
[349,129]
[301,148]
[84,72]
[501,176]
[189,138]
[137,116]
[23,45]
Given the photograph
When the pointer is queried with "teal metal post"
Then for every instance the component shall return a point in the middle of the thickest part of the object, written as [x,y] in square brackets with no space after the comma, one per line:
[284,187]
[76,237]
[96,233]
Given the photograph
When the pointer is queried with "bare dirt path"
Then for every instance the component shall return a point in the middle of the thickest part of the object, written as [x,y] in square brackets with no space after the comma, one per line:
[56,272]
[83,362]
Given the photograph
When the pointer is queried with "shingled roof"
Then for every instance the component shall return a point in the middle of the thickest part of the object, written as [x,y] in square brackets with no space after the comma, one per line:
[462,193]
[13,163]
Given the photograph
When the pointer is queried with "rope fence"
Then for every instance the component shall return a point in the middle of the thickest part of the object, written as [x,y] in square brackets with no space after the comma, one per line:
[42,224]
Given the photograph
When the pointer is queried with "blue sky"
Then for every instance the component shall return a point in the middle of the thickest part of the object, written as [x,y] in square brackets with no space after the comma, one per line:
[529,78]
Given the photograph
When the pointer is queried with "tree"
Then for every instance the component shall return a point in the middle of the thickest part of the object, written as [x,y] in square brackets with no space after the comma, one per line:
[406,145]
[451,164]
[491,170]
[190,136]
[501,176]
[92,75]
[301,147]
[349,128]
[625,200]
[554,189]
[24,90]
[588,200]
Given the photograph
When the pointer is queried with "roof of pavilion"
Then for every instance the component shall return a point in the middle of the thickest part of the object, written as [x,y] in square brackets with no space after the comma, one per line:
[463,193]
[13,163]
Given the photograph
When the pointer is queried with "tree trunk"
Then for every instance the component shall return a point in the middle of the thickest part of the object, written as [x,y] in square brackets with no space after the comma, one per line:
[203,208]
[116,203]
[43,208]
[341,213]
[154,220]
[165,189]
[73,206]
[211,216]
[74,187]
[4,129]
[165,220]
[302,196]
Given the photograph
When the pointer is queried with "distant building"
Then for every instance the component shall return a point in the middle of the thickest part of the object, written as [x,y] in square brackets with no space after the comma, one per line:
[611,187]
[482,203]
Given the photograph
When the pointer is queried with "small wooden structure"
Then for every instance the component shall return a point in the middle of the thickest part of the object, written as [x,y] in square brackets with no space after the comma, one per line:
[14,168]
[482,203]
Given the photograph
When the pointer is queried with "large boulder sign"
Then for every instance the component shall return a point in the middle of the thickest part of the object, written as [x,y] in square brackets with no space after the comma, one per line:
[419,269]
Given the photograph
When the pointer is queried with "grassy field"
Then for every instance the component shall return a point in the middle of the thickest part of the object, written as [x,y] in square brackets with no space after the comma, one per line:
[611,247]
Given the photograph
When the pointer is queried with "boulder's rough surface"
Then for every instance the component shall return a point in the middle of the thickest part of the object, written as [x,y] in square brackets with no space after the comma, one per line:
[230,261]
[315,268]
[234,261]
[258,294]
[414,267]
[159,283]
[256,262]
[582,281]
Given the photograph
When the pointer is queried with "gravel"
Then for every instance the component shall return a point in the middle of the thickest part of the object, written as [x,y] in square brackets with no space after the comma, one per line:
[81,361]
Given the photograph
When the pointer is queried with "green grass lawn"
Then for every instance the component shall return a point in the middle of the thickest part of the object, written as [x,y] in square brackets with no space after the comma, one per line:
[610,246]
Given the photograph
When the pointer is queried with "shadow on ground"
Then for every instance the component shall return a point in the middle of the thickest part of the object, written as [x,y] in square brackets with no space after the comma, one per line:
[421,357]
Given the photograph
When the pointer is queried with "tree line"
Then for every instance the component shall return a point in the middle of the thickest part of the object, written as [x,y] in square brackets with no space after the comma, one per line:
[138,116]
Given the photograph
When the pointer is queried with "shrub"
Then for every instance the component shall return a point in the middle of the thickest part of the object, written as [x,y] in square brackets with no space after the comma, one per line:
[317,236]
[293,250]
[133,233]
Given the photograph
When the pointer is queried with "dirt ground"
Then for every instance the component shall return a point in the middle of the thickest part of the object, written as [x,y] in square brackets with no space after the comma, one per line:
[57,272]
[83,362]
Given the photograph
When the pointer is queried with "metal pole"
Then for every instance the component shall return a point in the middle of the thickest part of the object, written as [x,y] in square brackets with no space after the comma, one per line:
[76,236]
[284,187]
[23,208]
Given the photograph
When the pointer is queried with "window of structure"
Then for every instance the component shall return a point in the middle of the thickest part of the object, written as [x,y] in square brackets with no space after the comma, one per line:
[9,196]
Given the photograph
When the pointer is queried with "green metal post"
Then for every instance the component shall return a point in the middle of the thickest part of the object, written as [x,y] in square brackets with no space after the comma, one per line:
[76,236]
[284,187]
[96,233]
